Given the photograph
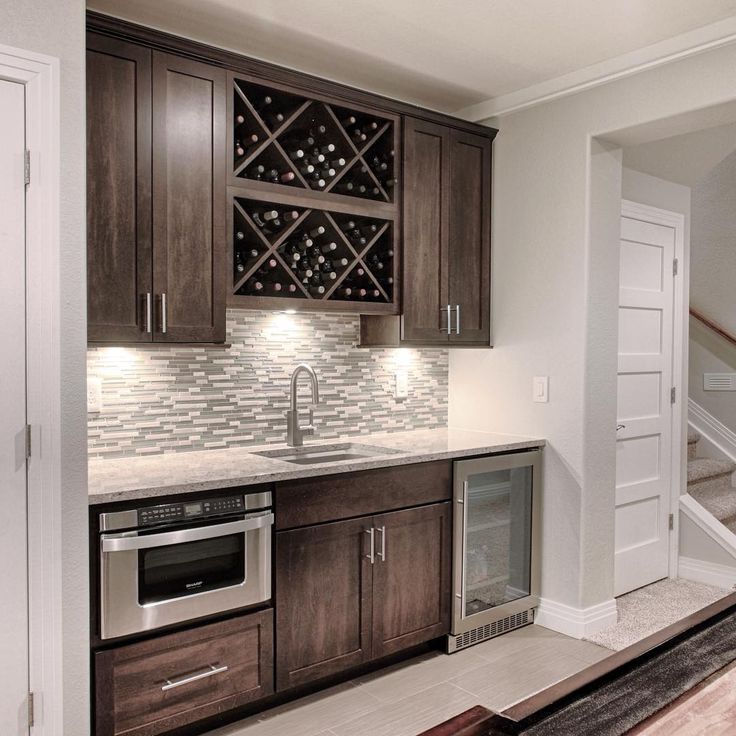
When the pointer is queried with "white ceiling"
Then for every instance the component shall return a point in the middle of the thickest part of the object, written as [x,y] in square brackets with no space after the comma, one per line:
[686,158]
[444,54]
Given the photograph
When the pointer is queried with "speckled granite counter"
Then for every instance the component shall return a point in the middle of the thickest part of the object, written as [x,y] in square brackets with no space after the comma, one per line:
[181,472]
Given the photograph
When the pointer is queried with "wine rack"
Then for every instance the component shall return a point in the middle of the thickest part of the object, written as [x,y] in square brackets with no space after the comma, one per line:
[291,253]
[285,139]
[315,202]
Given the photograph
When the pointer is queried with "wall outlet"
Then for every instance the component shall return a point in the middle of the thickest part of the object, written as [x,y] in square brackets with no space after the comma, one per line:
[541,389]
[94,395]
[402,385]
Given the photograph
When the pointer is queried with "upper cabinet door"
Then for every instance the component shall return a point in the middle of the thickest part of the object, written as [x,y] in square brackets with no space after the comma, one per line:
[426,185]
[118,190]
[189,212]
[469,218]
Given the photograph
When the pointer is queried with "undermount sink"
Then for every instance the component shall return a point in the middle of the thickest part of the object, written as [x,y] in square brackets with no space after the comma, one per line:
[322,454]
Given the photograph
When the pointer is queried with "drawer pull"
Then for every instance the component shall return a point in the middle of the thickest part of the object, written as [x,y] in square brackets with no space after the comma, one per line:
[193,678]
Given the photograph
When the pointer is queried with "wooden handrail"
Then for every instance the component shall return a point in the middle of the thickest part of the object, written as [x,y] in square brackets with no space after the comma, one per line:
[714,326]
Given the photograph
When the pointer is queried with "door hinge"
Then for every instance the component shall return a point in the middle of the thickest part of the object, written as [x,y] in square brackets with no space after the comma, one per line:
[672,522]
[31,715]
[675,266]
[28,441]
[673,395]
[27,167]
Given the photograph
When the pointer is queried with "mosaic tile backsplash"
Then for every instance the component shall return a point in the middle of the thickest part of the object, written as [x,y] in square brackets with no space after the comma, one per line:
[173,399]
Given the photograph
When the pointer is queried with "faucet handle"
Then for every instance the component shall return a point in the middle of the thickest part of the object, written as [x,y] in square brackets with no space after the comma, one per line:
[309,429]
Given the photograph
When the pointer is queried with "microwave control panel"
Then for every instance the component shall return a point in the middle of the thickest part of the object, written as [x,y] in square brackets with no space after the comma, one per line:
[168,512]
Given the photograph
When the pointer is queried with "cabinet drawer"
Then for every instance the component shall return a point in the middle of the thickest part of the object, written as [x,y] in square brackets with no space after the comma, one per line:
[151,687]
[335,497]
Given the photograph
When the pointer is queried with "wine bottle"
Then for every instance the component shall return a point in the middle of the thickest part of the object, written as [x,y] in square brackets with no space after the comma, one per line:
[375,293]
[328,247]
[319,130]
[317,290]
[253,253]
[240,235]
[307,170]
[291,288]
[263,217]
[239,265]
[338,163]
[275,119]
[247,142]
[347,292]
[391,183]
[349,121]
[290,216]
[286,177]
[239,119]
[276,286]
[255,285]
[343,262]
[327,148]
[320,183]
[319,230]
[297,154]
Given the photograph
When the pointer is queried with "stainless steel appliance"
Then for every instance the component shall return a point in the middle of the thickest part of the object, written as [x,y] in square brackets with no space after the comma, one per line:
[169,563]
[496,546]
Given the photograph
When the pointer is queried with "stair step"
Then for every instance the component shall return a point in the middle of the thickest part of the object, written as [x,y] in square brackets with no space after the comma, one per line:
[692,436]
[719,500]
[702,468]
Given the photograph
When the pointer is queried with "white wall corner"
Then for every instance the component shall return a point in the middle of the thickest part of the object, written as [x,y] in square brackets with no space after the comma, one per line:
[576,622]
[709,573]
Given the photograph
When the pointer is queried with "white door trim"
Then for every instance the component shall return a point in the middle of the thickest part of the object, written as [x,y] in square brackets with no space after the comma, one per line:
[676,221]
[40,75]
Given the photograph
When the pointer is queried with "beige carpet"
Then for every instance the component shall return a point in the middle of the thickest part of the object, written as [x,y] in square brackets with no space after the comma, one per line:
[649,609]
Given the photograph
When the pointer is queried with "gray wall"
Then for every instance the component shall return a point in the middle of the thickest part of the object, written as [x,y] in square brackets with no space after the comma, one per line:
[713,286]
[555,294]
[170,399]
[56,28]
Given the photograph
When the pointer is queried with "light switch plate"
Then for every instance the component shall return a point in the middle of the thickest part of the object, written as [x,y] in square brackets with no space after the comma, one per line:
[402,385]
[541,389]
[94,395]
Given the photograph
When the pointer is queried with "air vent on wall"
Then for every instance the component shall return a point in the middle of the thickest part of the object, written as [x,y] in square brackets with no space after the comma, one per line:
[719,381]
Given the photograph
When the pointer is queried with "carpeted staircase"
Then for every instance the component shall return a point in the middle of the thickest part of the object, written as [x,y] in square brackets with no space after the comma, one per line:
[709,483]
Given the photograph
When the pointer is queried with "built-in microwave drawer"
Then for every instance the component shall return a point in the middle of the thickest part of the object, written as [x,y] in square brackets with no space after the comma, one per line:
[173,680]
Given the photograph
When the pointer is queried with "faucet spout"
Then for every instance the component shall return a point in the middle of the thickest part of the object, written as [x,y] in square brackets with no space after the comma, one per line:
[294,433]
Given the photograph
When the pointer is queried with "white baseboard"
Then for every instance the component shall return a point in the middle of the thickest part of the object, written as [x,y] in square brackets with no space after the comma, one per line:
[713,431]
[576,622]
[710,573]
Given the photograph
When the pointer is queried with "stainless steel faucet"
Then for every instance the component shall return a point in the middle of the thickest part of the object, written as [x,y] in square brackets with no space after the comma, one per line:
[294,433]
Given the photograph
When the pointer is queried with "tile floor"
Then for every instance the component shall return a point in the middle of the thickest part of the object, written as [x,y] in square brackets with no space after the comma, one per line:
[407,698]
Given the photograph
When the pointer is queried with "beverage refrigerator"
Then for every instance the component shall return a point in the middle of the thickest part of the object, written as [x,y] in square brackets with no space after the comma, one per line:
[496,551]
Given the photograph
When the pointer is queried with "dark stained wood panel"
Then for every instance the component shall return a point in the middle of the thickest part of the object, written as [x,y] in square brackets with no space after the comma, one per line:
[118,189]
[469,268]
[323,592]
[189,213]
[129,679]
[411,585]
[426,179]
[333,497]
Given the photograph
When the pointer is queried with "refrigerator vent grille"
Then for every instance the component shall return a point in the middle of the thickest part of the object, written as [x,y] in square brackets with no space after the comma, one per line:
[488,631]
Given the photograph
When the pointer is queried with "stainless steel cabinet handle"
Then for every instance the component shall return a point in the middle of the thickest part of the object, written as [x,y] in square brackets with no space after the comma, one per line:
[126,541]
[619,427]
[372,554]
[465,547]
[164,317]
[193,678]
[457,319]
[149,312]
[449,320]
[382,553]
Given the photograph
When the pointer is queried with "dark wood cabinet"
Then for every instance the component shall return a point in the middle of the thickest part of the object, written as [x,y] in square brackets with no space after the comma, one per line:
[119,269]
[446,280]
[157,254]
[170,681]
[411,577]
[189,213]
[351,591]
[323,611]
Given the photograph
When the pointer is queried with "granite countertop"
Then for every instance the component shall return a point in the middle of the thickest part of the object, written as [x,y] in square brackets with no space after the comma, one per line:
[153,476]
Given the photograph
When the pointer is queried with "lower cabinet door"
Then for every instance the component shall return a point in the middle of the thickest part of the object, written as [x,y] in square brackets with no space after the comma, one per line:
[411,577]
[323,600]
[176,679]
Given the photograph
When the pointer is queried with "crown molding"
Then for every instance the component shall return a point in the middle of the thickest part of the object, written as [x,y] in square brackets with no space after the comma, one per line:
[670,50]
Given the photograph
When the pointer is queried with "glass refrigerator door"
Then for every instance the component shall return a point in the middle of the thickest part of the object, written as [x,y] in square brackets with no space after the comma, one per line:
[497,531]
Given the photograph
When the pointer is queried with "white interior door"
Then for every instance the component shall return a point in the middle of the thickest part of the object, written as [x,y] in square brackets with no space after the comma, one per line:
[13,521]
[644,436]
